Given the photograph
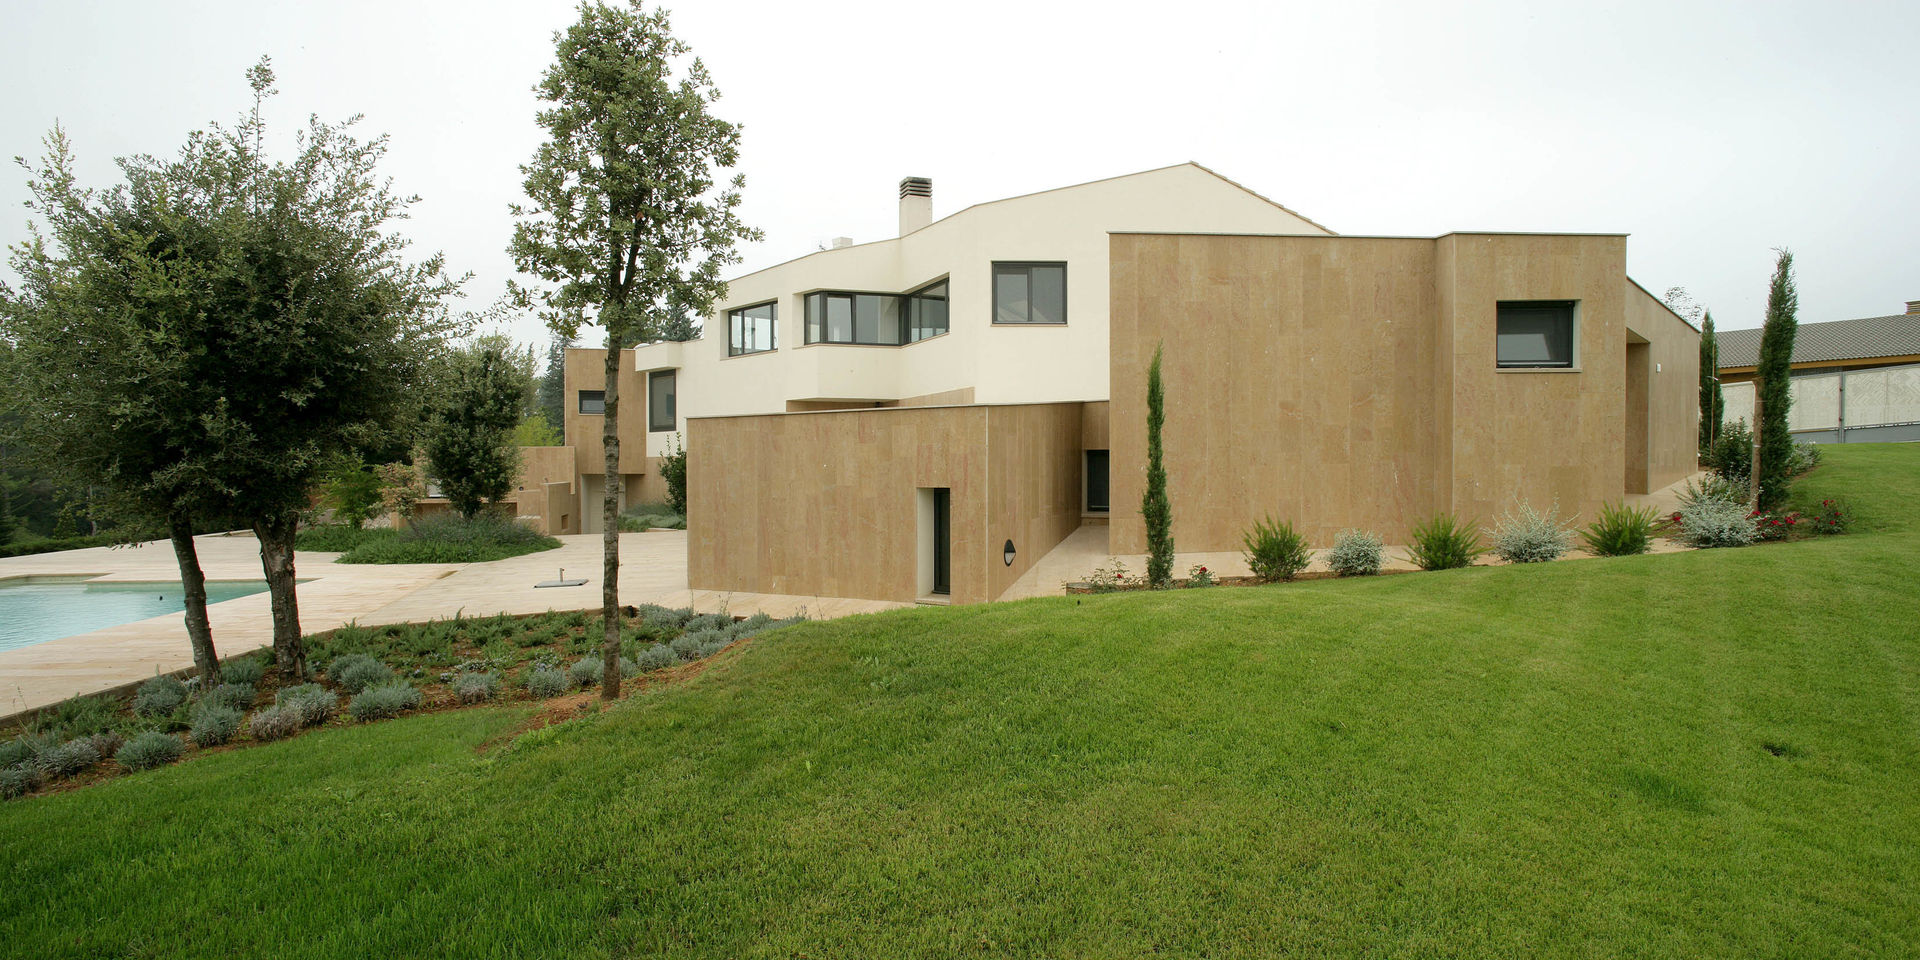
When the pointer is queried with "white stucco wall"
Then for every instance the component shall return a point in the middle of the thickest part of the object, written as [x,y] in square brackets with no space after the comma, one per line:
[1003,364]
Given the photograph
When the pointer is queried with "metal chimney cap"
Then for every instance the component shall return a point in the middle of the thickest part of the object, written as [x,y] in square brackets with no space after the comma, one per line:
[916,187]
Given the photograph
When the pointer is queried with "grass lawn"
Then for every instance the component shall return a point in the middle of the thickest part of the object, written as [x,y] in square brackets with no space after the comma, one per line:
[1711,753]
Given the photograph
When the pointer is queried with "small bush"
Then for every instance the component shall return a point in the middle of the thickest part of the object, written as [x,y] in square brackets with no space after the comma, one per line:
[709,621]
[1355,553]
[148,750]
[310,702]
[1444,543]
[81,716]
[544,681]
[1197,576]
[476,687]
[19,780]
[274,723]
[214,725]
[1832,517]
[709,648]
[450,538]
[108,742]
[1621,531]
[588,670]
[1774,526]
[68,758]
[1529,536]
[385,700]
[22,749]
[338,537]
[234,696]
[687,645]
[1111,576]
[1716,523]
[247,670]
[159,697]
[1275,551]
[1805,457]
[357,671]
[1731,458]
[656,657]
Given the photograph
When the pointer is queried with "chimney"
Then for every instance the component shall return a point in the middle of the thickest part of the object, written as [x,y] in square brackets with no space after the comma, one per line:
[916,204]
[841,243]
[1913,307]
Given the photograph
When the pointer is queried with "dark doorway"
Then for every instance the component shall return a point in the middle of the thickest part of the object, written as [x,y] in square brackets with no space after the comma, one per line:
[942,541]
[1097,481]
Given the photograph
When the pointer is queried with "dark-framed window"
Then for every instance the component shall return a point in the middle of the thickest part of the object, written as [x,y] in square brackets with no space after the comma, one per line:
[593,402]
[1534,333]
[1029,292]
[1097,482]
[751,329]
[879,319]
[660,412]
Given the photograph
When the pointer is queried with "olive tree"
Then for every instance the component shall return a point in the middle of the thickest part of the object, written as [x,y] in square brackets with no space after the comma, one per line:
[627,222]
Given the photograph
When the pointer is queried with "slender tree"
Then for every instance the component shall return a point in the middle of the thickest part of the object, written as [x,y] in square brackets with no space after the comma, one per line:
[1774,374]
[627,224]
[1154,505]
[469,442]
[551,394]
[1713,406]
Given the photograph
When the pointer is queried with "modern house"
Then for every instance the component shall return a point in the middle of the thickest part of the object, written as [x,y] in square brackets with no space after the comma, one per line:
[1853,380]
[924,417]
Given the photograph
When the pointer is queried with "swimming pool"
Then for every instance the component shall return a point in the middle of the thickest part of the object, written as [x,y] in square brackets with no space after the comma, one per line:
[37,610]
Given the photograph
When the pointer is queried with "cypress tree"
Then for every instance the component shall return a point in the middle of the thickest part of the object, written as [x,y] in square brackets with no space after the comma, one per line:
[1774,373]
[1154,506]
[1713,406]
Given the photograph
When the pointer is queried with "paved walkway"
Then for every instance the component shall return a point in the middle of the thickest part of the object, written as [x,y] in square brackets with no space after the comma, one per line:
[653,569]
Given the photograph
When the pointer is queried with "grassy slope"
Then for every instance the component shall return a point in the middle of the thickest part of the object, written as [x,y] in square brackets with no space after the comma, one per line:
[1566,760]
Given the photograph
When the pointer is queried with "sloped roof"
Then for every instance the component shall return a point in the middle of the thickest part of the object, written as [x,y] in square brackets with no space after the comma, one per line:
[1862,339]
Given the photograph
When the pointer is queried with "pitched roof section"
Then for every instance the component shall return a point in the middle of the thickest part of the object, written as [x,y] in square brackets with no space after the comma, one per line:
[1863,339]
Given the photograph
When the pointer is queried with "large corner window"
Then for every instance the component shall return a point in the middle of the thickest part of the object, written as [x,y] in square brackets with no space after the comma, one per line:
[1029,293]
[750,329]
[593,402]
[879,319]
[660,412]
[1534,333]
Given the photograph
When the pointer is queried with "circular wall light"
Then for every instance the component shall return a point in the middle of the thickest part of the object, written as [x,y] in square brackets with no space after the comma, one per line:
[1007,553]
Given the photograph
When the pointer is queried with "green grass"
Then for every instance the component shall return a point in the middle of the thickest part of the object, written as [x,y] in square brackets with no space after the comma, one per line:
[1701,754]
[338,537]
[448,538]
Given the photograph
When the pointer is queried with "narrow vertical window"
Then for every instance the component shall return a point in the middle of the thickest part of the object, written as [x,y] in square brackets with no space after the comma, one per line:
[660,400]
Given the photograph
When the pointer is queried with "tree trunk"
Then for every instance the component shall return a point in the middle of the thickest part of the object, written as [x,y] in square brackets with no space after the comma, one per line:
[610,535]
[199,629]
[276,558]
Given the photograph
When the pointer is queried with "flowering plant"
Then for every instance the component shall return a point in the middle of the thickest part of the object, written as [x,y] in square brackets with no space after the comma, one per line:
[1833,517]
[1199,576]
[1774,526]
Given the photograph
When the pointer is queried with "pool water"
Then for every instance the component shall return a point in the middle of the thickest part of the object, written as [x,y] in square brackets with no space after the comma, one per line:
[36,612]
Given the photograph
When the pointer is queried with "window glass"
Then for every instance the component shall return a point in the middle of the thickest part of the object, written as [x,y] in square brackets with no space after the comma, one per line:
[660,400]
[593,401]
[1534,334]
[839,319]
[1029,293]
[750,329]
[1049,294]
[1009,294]
[927,311]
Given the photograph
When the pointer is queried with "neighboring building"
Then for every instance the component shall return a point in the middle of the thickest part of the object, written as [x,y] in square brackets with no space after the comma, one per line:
[1855,380]
[924,417]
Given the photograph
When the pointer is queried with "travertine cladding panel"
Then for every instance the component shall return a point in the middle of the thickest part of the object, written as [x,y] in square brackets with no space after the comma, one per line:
[1351,381]
[586,370]
[1673,408]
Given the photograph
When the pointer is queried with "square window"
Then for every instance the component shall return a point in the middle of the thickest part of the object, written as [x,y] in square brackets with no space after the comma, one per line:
[750,329]
[1030,293]
[593,402]
[1534,333]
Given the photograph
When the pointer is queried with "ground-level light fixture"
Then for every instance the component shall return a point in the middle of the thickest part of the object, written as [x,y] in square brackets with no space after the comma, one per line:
[1007,554]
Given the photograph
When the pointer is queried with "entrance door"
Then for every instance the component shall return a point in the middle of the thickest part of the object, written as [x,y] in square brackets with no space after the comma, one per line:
[942,541]
[1096,470]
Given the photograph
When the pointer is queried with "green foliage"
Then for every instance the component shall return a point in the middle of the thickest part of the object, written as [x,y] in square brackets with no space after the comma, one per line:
[1717,523]
[357,671]
[1831,517]
[68,758]
[449,538]
[656,657]
[310,703]
[1155,508]
[159,696]
[550,393]
[588,670]
[470,441]
[1712,487]
[476,687]
[535,430]
[1275,551]
[24,748]
[386,700]
[351,489]
[19,780]
[27,548]
[1804,457]
[79,717]
[246,670]
[1773,380]
[1199,576]
[108,742]
[1620,530]
[214,724]
[1713,403]
[1732,456]
[400,488]
[544,681]
[673,469]
[237,696]
[1526,535]
[277,722]
[338,537]
[1355,553]
[1444,543]
[148,750]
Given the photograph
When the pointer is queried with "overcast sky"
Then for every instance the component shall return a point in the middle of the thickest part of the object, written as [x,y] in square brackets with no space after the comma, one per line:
[1709,132]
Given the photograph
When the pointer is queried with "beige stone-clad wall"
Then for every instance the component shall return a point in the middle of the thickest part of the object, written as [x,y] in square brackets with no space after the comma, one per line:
[1673,410]
[586,370]
[1033,493]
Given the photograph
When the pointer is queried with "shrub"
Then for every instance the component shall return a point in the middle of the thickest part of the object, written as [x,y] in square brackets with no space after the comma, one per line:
[1444,543]
[476,687]
[1275,551]
[23,748]
[1621,531]
[214,725]
[588,670]
[544,681]
[357,671]
[709,621]
[709,648]
[687,646]
[159,696]
[385,700]
[338,537]
[1716,523]
[108,742]
[1199,576]
[311,703]
[235,696]
[449,538]
[275,723]
[81,716]
[1529,536]
[1355,553]
[1732,456]
[148,750]
[68,758]
[19,780]
[1111,576]
[247,670]
[1713,487]
[1832,517]
[1805,457]
[673,469]
[1773,526]
[656,657]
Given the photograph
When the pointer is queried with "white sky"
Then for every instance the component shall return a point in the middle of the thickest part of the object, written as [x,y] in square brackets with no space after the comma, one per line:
[1709,132]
